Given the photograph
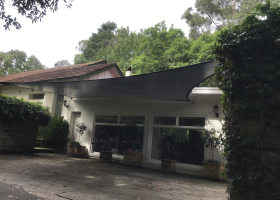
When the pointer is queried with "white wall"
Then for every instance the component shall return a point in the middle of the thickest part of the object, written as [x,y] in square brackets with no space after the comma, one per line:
[49,98]
[203,107]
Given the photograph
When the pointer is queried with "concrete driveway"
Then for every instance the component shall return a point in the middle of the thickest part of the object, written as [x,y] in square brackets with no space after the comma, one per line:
[56,176]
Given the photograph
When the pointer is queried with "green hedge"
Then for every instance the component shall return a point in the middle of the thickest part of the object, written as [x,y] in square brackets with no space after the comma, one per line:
[54,134]
[14,108]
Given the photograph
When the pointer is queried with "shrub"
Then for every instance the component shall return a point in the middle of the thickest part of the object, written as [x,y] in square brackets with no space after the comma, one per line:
[55,133]
[14,108]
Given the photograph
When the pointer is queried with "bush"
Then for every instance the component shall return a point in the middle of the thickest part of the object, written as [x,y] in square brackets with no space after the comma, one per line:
[55,133]
[14,108]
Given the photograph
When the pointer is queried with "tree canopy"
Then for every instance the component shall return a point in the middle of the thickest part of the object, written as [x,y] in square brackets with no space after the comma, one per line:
[210,15]
[153,49]
[104,36]
[162,49]
[35,10]
[15,61]
[62,63]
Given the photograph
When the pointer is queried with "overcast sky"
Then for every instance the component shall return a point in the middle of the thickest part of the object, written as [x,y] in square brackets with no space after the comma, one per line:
[57,35]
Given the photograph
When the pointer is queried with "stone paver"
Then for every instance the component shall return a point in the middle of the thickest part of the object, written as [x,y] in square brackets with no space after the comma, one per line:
[56,176]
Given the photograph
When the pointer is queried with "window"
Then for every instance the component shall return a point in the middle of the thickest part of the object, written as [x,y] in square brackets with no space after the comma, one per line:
[164,120]
[106,119]
[36,96]
[112,128]
[187,135]
[192,121]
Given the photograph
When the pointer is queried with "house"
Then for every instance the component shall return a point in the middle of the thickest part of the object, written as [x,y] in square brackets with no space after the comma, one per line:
[89,71]
[98,95]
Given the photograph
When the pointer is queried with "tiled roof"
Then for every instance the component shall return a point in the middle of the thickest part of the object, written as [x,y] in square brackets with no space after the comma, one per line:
[56,73]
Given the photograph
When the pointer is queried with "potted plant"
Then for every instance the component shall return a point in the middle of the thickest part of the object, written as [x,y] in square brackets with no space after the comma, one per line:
[73,148]
[212,168]
[80,128]
[131,135]
[168,145]
[106,153]
[76,149]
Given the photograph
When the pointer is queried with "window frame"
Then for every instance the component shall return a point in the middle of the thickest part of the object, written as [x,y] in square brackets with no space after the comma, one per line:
[151,131]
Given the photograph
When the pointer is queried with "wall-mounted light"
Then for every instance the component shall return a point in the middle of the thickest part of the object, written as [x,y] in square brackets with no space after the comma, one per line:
[216,110]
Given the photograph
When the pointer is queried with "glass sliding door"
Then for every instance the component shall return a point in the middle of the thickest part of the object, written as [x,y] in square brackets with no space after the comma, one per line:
[186,133]
[109,134]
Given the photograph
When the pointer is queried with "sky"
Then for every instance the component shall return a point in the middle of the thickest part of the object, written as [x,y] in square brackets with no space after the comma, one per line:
[57,35]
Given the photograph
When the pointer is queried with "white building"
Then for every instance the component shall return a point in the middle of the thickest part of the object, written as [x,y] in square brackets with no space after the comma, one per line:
[156,102]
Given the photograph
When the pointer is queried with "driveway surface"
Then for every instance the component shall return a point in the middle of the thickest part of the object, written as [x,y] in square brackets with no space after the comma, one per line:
[57,176]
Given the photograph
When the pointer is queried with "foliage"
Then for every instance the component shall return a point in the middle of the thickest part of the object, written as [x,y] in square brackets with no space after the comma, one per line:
[154,49]
[131,133]
[103,37]
[105,141]
[80,59]
[212,140]
[249,76]
[123,50]
[168,144]
[14,108]
[81,127]
[62,63]
[215,14]
[32,9]
[55,133]
[161,49]
[15,61]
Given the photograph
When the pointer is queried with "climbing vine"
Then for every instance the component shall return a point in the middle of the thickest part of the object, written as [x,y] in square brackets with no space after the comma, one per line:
[249,75]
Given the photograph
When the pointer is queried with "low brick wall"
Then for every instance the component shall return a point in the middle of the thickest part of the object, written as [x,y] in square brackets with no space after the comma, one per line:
[20,138]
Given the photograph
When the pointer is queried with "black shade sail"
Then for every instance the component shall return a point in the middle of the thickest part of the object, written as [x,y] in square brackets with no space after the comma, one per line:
[174,84]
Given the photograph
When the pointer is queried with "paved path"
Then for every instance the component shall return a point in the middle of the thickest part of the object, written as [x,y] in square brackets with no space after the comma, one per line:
[56,176]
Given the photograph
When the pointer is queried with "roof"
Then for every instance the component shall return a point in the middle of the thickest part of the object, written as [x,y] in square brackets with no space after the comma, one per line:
[174,84]
[57,72]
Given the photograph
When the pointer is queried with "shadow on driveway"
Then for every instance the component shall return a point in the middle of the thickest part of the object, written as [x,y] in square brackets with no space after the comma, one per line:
[57,176]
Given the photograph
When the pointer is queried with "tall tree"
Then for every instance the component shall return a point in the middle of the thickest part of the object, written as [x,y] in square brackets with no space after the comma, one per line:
[33,64]
[35,10]
[123,50]
[210,15]
[61,63]
[104,36]
[161,49]
[15,61]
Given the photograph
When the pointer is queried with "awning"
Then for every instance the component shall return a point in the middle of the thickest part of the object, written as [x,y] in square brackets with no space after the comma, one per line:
[174,84]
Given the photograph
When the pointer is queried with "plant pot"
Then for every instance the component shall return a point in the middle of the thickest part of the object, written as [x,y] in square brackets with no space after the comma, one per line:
[72,151]
[105,156]
[132,158]
[168,165]
[213,170]
[81,152]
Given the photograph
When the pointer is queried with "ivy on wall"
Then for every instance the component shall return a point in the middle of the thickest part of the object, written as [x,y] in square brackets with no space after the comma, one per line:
[14,108]
[249,75]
